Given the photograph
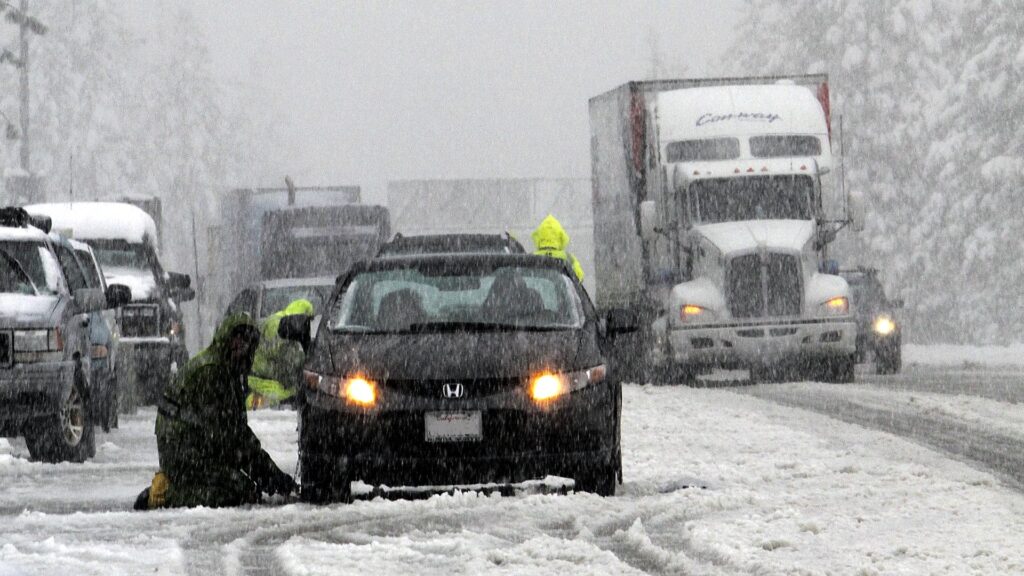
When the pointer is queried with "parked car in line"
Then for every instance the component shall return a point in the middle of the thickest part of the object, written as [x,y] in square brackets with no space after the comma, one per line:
[105,336]
[450,244]
[879,332]
[261,299]
[456,369]
[124,240]
[47,391]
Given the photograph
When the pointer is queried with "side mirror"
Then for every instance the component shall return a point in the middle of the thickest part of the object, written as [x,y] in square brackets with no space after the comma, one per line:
[182,294]
[296,328]
[830,267]
[118,295]
[855,203]
[618,321]
[89,300]
[896,303]
[178,280]
[648,219]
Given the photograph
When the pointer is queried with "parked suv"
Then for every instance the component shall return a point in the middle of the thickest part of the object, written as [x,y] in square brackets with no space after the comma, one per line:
[46,383]
[124,240]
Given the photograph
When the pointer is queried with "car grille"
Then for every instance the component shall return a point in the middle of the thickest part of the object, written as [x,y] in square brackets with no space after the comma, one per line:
[140,321]
[764,285]
[479,388]
[6,349]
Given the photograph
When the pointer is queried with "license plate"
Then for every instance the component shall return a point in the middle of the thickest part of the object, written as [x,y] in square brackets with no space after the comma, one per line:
[453,426]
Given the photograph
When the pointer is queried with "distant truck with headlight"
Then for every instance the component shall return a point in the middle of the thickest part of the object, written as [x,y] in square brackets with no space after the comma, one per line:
[709,225]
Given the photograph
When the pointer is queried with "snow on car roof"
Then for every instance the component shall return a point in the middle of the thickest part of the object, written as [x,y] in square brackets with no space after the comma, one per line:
[99,220]
[22,234]
[711,111]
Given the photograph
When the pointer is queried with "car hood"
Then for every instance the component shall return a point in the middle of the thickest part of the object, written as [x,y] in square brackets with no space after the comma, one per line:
[21,310]
[735,237]
[458,355]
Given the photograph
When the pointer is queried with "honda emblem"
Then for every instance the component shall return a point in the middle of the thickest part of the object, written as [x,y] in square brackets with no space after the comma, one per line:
[453,390]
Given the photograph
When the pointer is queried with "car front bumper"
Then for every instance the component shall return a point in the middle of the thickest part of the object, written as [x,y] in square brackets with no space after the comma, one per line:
[519,440]
[747,344]
[29,391]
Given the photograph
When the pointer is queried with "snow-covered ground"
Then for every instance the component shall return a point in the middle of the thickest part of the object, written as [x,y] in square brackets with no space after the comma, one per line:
[716,483]
[954,355]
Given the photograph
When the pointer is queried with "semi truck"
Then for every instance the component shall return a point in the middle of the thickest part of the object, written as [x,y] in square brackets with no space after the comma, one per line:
[710,227]
[271,234]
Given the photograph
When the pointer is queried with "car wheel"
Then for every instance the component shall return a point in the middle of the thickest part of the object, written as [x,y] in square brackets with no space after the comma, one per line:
[322,480]
[67,436]
[890,361]
[600,480]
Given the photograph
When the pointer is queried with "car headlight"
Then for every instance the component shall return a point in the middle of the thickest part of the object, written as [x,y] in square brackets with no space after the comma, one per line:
[883,325]
[356,390]
[839,306]
[692,313]
[38,340]
[548,386]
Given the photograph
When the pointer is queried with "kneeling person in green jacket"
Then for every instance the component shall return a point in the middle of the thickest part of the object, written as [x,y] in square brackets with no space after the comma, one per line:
[208,454]
[277,369]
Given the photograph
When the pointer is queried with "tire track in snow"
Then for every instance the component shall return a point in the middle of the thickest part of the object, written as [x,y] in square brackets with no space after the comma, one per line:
[995,452]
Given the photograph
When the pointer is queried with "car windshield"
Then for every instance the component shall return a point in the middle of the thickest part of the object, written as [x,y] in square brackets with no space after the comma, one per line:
[752,198]
[36,262]
[278,298]
[439,297]
[122,255]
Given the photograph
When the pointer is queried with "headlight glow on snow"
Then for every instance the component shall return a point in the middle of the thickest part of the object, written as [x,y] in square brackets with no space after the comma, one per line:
[883,326]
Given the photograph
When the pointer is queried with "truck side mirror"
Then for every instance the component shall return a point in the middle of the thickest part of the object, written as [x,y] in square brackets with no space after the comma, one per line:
[648,219]
[896,303]
[855,205]
[179,280]
[118,295]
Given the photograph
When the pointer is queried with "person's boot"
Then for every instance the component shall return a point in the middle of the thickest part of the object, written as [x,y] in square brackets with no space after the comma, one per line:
[142,500]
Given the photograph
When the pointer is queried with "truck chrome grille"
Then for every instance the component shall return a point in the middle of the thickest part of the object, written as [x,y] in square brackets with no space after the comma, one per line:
[764,286]
[140,321]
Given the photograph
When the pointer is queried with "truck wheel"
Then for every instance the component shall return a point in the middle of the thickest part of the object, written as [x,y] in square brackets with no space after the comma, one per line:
[68,435]
[840,370]
[599,479]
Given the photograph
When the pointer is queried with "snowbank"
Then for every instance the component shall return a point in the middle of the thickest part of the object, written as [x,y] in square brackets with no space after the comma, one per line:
[962,355]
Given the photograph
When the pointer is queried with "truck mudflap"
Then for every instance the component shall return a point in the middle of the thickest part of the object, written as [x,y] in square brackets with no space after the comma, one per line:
[743,344]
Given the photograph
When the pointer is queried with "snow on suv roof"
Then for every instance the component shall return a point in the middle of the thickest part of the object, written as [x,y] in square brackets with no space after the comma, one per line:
[30,233]
[99,220]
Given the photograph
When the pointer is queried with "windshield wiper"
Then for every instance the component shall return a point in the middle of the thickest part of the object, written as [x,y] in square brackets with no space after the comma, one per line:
[480,327]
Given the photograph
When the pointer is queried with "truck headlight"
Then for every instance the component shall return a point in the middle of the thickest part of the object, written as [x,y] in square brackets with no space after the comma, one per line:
[38,340]
[883,325]
[356,390]
[693,313]
[547,386]
[839,306]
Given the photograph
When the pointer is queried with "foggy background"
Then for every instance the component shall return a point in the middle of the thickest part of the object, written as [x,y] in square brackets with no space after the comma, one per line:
[184,100]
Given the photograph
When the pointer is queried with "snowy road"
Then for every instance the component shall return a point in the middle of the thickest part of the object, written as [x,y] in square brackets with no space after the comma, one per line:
[717,482]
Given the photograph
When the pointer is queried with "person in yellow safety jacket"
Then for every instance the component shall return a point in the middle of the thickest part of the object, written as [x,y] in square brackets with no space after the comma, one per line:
[277,370]
[551,240]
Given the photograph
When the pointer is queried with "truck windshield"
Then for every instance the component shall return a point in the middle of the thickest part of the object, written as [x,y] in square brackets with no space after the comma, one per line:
[752,198]
[435,299]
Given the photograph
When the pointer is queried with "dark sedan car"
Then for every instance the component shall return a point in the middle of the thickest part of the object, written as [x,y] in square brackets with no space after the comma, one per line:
[458,369]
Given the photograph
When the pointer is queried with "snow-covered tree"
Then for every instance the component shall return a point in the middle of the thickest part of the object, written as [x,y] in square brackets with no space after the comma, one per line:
[927,89]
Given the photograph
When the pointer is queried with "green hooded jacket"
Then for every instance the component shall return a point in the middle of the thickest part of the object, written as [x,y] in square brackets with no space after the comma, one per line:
[551,240]
[277,369]
[206,448]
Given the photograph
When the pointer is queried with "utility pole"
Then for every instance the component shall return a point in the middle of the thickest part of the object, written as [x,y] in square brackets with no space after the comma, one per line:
[26,158]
